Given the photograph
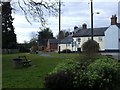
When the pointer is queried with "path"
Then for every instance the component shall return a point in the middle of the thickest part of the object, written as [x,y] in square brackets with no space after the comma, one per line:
[114,55]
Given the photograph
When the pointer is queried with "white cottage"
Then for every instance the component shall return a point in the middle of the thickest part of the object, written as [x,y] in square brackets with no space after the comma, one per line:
[107,37]
[84,34]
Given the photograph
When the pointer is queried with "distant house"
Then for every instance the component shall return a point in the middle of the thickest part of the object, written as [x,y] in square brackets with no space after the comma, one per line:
[42,44]
[107,37]
[66,43]
[52,45]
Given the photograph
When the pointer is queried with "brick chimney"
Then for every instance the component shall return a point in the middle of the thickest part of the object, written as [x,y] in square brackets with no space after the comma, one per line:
[113,20]
[84,26]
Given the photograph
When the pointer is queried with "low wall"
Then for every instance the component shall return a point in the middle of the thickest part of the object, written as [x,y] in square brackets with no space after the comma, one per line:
[9,51]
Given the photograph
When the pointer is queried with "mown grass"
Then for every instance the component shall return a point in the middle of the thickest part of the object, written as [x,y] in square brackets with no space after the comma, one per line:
[31,77]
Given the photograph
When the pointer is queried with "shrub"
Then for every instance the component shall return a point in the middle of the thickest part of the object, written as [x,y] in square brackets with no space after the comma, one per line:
[24,49]
[90,48]
[66,51]
[62,79]
[63,75]
[103,74]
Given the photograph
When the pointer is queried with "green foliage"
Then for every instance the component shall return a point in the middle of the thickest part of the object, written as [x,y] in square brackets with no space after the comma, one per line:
[62,79]
[44,35]
[33,41]
[63,75]
[66,65]
[24,47]
[66,51]
[90,48]
[102,74]
[8,35]
[31,77]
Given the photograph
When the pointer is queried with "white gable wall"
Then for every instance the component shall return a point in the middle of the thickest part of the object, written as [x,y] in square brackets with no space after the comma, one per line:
[111,38]
[119,12]
[119,39]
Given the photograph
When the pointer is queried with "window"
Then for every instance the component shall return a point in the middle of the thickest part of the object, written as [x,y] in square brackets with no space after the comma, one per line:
[88,38]
[99,39]
[78,39]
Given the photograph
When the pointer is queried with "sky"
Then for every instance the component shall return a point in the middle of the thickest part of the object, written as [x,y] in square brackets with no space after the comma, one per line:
[74,13]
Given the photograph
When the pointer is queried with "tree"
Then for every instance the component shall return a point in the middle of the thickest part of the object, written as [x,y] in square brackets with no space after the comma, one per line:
[67,33]
[90,48]
[37,10]
[61,35]
[33,40]
[44,35]
[8,35]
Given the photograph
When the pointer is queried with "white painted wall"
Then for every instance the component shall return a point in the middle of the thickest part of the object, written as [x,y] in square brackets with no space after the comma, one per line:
[119,38]
[111,37]
[83,39]
[67,46]
[119,12]
[98,39]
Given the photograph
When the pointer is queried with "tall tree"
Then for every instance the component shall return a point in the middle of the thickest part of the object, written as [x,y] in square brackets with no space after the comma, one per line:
[37,10]
[67,33]
[8,35]
[61,35]
[44,35]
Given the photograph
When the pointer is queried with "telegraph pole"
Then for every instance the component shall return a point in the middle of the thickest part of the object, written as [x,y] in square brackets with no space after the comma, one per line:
[59,23]
[92,20]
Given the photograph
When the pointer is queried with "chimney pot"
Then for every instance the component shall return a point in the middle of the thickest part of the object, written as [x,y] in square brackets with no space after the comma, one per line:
[113,20]
[84,26]
[75,27]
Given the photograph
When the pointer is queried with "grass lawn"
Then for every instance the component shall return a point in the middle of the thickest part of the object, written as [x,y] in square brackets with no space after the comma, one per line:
[31,77]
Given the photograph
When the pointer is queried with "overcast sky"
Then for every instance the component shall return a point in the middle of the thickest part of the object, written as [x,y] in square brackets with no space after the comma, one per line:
[74,13]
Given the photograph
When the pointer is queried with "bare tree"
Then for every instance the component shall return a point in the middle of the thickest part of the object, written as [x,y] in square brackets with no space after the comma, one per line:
[37,10]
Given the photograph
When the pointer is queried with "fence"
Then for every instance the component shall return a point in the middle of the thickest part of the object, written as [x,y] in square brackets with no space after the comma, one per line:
[9,51]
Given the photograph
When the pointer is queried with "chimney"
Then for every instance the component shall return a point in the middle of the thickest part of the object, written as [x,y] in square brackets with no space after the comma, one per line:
[113,20]
[75,27]
[84,26]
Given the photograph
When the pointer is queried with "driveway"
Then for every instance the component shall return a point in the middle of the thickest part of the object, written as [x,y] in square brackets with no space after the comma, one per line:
[114,55]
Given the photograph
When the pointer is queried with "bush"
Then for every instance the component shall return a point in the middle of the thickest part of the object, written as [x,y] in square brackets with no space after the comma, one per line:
[24,49]
[66,51]
[90,48]
[102,74]
[63,75]
[62,79]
